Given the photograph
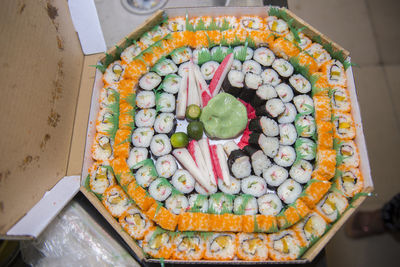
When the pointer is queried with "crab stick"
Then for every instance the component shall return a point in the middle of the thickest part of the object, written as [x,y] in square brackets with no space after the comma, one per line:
[220,74]
[181,102]
[205,150]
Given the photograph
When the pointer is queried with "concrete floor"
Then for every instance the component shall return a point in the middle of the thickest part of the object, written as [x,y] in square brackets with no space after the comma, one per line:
[368,29]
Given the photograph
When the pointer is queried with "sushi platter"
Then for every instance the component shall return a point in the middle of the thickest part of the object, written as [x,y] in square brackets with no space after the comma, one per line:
[230,136]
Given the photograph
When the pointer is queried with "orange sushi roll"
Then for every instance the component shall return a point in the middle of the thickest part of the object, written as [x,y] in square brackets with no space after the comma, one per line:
[122,170]
[225,222]
[340,99]
[331,206]
[307,60]
[176,24]
[114,73]
[241,34]
[126,121]
[215,37]
[277,26]
[135,69]
[121,143]
[284,246]
[293,213]
[229,35]
[194,221]
[140,196]
[158,243]
[303,43]
[178,39]
[126,88]
[100,177]
[259,223]
[344,125]
[150,58]
[262,37]
[130,53]
[188,246]
[347,154]
[162,217]
[251,23]
[325,163]
[135,223]
[321,86]
[334,72]
[115,200]
[284,48]
[252,247]
[322,108]
[199,40]
[350,181]
[220,246]
[227,21]
[314,191]
[202,21]
[318,53]
[102,147]
[309,229]
[325,134]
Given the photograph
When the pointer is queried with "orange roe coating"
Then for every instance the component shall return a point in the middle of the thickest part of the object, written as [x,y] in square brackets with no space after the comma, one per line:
[284,48]
[162,217]
[194,221]
[326,163]
[140,196]
[225,222]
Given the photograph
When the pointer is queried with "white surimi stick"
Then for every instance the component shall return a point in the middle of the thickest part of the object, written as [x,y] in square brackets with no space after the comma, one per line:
[181,102]
[193,93]
[205,150]
[224,165]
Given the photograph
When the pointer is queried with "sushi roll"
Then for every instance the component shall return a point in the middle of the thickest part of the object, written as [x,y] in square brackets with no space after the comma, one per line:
[312,227]
[102,148]
[106,121]
[252,82]
[288,134]
[265,125]
[300,84]
[347,154]
[254,185]
[180,56]
[236,65]
[115,200]
[273,108]
[150,37]
[303,43]
[135,223]
[289,191]
[284,246]
[160,189]
[198,203]
[171,83]
[137,155]
[183,181]
[234,82]
[340,100]
[304,104]
[277,26]
[108,96]
[283,67]
[160,145]
[101,177]
[301,171]
[131,52]
[232,189]
[149,81]
[251,22]
[284,92]
[158,243]
[344,126]
[165,67]
[145,99]
[331,206]
[305,125]
[269,145]
[166,166]
[177,204]
[238,50]
[230,22]
[218,53]
[263,93]
[334,72]
[201,55]
[269,204]
[145,117]
[252,247]
[166,102]
[145,175]
[220,246]
[275,175]
[165,123]
[264,56]
[220,203]
[114,72]
[318,53]
[286,156]
[208,69]
[270,77]
[245,205]
[141,137]
[184,69]
[251,66]
[350,181]
[305,148]
[289,115]
[259,161]
[239,163]
[188,246]
[313,192]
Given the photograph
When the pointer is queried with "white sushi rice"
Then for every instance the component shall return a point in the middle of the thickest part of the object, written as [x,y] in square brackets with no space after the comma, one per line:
[141,137]
[160,190]
[145,117]
[269,145]
[264,56]
[160,145]
[245,205]
[177,204]
[304,104]
[269,204]
[286,156]
[254,185]
[166,102]
[289,115]
[300,83]
[198,203]
[287,133]
[232,189]
[289,191]
[283,67]
[183,181]
[136,155]
[285,92]
[145,99]
[149,81]
[145,175]
[166,166]
[271,77]
[275,175]
[301,171]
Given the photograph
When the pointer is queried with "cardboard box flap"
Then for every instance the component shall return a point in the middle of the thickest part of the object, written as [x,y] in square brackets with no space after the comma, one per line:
[41,63]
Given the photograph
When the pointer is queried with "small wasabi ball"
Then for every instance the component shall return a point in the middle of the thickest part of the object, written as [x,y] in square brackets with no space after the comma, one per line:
[224,117]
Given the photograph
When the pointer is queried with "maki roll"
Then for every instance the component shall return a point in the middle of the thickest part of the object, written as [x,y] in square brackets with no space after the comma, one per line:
[106,121]
[183,181]
[284,92]
[305,148]
[310,228]
[198,203]
[285,157]
[145,117]
[252,82]
[284,245]
[300,84]
[108,96]
[201,55]
[171,83]
[304,104]
[347,154]
[259,161]
[331,206]
[340,100]
[275,175]
[220,203]
[166,166]
[245,205]
[114,73]
[301,171]
[251,22]
[141,137]
[232,189]
[165,67]
[115,200]
[273,107]
[135,223]
[252,247]
[101,177]
[234,82]
[251,66]
[289,191]
[220,246]
[146,174]
[177,204]
[160,145]
[287,133]
[263,93]
[165,123]
[145,99]
[188,247]
[334,72]
[158,243]
[239,163]
[318,53]
[136,155]
[180,56]
[238,51]
[269,145]
[236,65]
[350,181]
[160,189]
[269,204]
[264,56]
[254,185]
[283,67]
[305,125]
[344,126]
[270,77]
[102,148]
[149,81]
[264,125]
[289,115]
[208,69]
[277,26]
[131,52]
[165,102]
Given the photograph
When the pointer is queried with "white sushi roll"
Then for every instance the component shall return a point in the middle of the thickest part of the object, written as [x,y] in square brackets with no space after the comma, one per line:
[275,175]
[251,22]
[145,175]
[201,51]
[270,127]
[300,83]
[160,189]
[165,67]
[160,145]
[221,246]
[149,81]
[236,65]
[305,125]
[286,156]
[166,102]
[229,147]
[251,66]
[275,107]
[220,203]
[145,117]
[269,204]
[208,69]
[136,155]
[100,178]
[145,99]
[171,83]
[166,166]
[305,148]
[254,185]
[264,56]
[260,162]
[232,189]
[245,205]
[269,145]
[198,203]
[289,115]
[177,204]
[285,92]
[183,181]
[283,67]
[238,49]
[102,148]
[289,191]
[181,55]
[276,25]
[287,133]
[141,137]
[301,171]
[270,77]
[114,72]
[165,123]
[116,201]
[304,104]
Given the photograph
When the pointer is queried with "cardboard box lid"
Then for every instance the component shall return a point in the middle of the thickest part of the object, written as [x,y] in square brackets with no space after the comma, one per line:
[41,64]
